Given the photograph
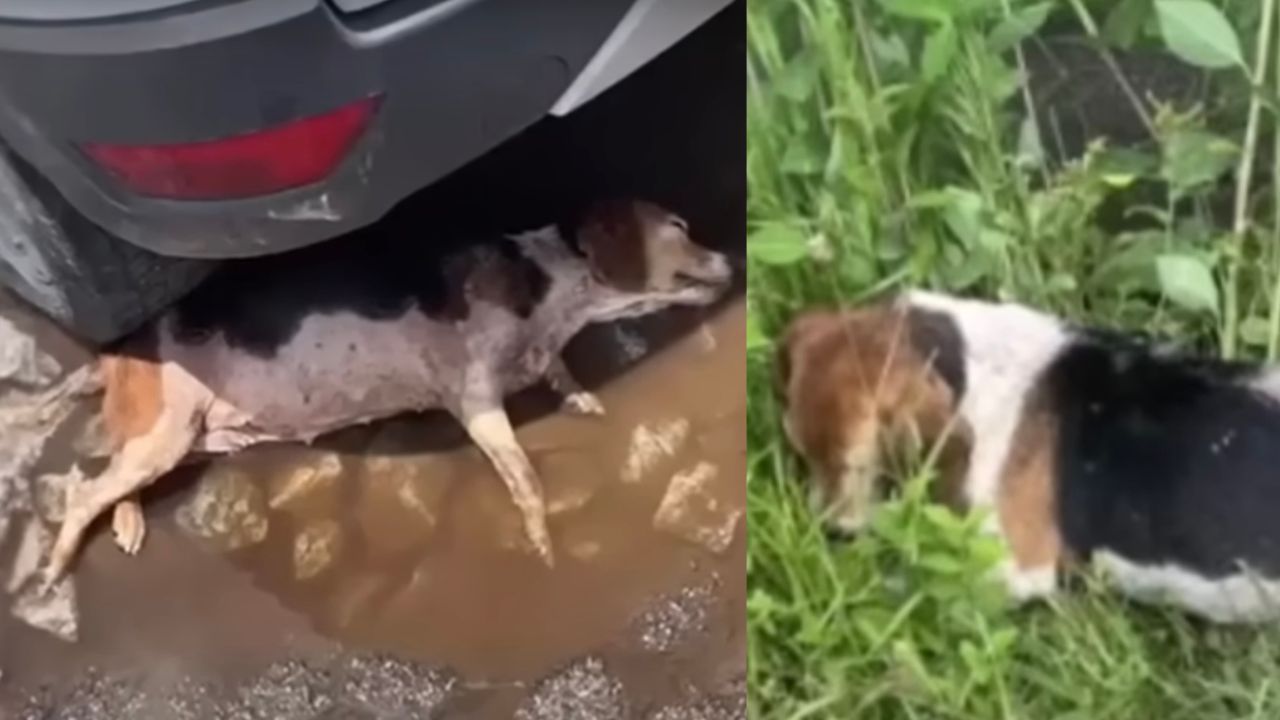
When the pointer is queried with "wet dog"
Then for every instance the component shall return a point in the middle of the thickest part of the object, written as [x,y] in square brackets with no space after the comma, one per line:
[292,347]
[1081,445]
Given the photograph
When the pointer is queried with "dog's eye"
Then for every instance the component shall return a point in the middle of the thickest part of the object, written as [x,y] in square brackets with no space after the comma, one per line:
[680,223]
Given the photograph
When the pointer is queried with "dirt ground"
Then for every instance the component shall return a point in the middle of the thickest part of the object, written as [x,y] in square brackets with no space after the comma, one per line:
[381,573]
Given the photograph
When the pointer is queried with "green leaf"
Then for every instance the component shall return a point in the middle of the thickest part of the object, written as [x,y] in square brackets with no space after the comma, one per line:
[1188,282]
[938,11]
[1255,331]
[1123,25]
[1194,157]
[964,216]
[939,50]
[800,159]
[799,77]
[1030,149]
[756,339]
[1199,33]
[1017,27]
[776,244]
[889,50]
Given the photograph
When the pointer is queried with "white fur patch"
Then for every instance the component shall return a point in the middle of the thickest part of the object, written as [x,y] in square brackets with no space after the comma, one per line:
[1240,598]
[1268,383]
[1007,348]
[1029,584]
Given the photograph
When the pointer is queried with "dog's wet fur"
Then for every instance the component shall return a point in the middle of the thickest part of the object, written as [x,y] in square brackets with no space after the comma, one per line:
[291,347]
[1083,445]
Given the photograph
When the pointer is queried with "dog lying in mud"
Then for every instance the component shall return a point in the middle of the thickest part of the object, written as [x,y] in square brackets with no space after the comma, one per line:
[1080,445]
[288,350]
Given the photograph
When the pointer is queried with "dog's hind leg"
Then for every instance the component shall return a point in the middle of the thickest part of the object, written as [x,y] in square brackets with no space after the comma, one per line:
[138,463]
[488,425]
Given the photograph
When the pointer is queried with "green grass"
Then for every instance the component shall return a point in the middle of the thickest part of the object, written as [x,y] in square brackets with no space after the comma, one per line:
[888,149]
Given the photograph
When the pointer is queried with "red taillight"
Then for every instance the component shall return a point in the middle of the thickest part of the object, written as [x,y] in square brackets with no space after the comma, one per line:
[258,163]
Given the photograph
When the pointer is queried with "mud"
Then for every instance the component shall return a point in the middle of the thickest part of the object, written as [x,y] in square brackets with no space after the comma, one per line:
[264,570]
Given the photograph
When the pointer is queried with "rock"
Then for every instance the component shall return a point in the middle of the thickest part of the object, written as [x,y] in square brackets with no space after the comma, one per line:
[692,510]
[316,548]
[22,363]
[307,490]
[50,492]
[652,444]
[227,511]
[400,501]
[582,691]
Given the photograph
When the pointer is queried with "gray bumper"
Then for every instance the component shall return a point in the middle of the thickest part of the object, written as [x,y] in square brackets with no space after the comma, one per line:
[456,78]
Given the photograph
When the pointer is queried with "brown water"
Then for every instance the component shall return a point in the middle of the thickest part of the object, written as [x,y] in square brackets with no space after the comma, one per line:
[398,537]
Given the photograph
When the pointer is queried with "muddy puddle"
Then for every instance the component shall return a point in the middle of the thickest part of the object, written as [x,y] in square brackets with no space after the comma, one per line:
[393,552]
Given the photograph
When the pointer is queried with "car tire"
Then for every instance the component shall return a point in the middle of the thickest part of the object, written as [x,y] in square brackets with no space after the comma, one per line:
[97,286]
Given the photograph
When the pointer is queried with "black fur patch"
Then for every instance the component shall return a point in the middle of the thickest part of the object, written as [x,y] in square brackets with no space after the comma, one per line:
[259,304]
[935,336]
[1164,459]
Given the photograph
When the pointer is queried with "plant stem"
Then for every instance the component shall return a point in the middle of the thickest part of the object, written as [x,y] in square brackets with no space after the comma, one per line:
[1240,226]
[1273,334]
[1109,59]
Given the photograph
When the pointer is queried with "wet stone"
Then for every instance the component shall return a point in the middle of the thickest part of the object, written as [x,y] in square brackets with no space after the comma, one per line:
[22,363]
[227,511]
[400,500]
[675,618]
[309,489]
[651,444]
[692,510]
[316,548]
[582,691]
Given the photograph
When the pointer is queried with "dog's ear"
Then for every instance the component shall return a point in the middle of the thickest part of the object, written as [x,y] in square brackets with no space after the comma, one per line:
[612,236]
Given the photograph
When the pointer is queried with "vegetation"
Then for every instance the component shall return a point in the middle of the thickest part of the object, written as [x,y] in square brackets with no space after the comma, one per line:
[895,143]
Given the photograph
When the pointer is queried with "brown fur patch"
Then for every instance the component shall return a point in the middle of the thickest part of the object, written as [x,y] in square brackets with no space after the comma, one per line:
[1026,504]
[854,384]
[612,235]
[134,396]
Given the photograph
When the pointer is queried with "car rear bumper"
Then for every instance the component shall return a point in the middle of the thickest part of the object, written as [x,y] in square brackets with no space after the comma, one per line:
[455,78]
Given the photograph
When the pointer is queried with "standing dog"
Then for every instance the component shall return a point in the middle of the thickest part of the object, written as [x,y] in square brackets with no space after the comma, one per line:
[293,347]
[1083,446]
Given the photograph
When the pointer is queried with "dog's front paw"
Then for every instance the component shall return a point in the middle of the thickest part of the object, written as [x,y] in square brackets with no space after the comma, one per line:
[583,403]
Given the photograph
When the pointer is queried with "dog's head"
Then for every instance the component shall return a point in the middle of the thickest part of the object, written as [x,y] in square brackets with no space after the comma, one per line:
[857,383]
[643,257]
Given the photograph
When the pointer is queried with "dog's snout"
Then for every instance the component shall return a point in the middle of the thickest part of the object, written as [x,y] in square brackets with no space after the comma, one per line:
[709,267]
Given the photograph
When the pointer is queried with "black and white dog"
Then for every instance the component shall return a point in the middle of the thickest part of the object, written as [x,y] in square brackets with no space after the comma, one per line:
[1083,446]
[299,347]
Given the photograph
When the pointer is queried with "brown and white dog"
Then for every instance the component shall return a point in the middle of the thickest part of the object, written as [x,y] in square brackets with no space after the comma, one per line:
[292,347]
[1081,445]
